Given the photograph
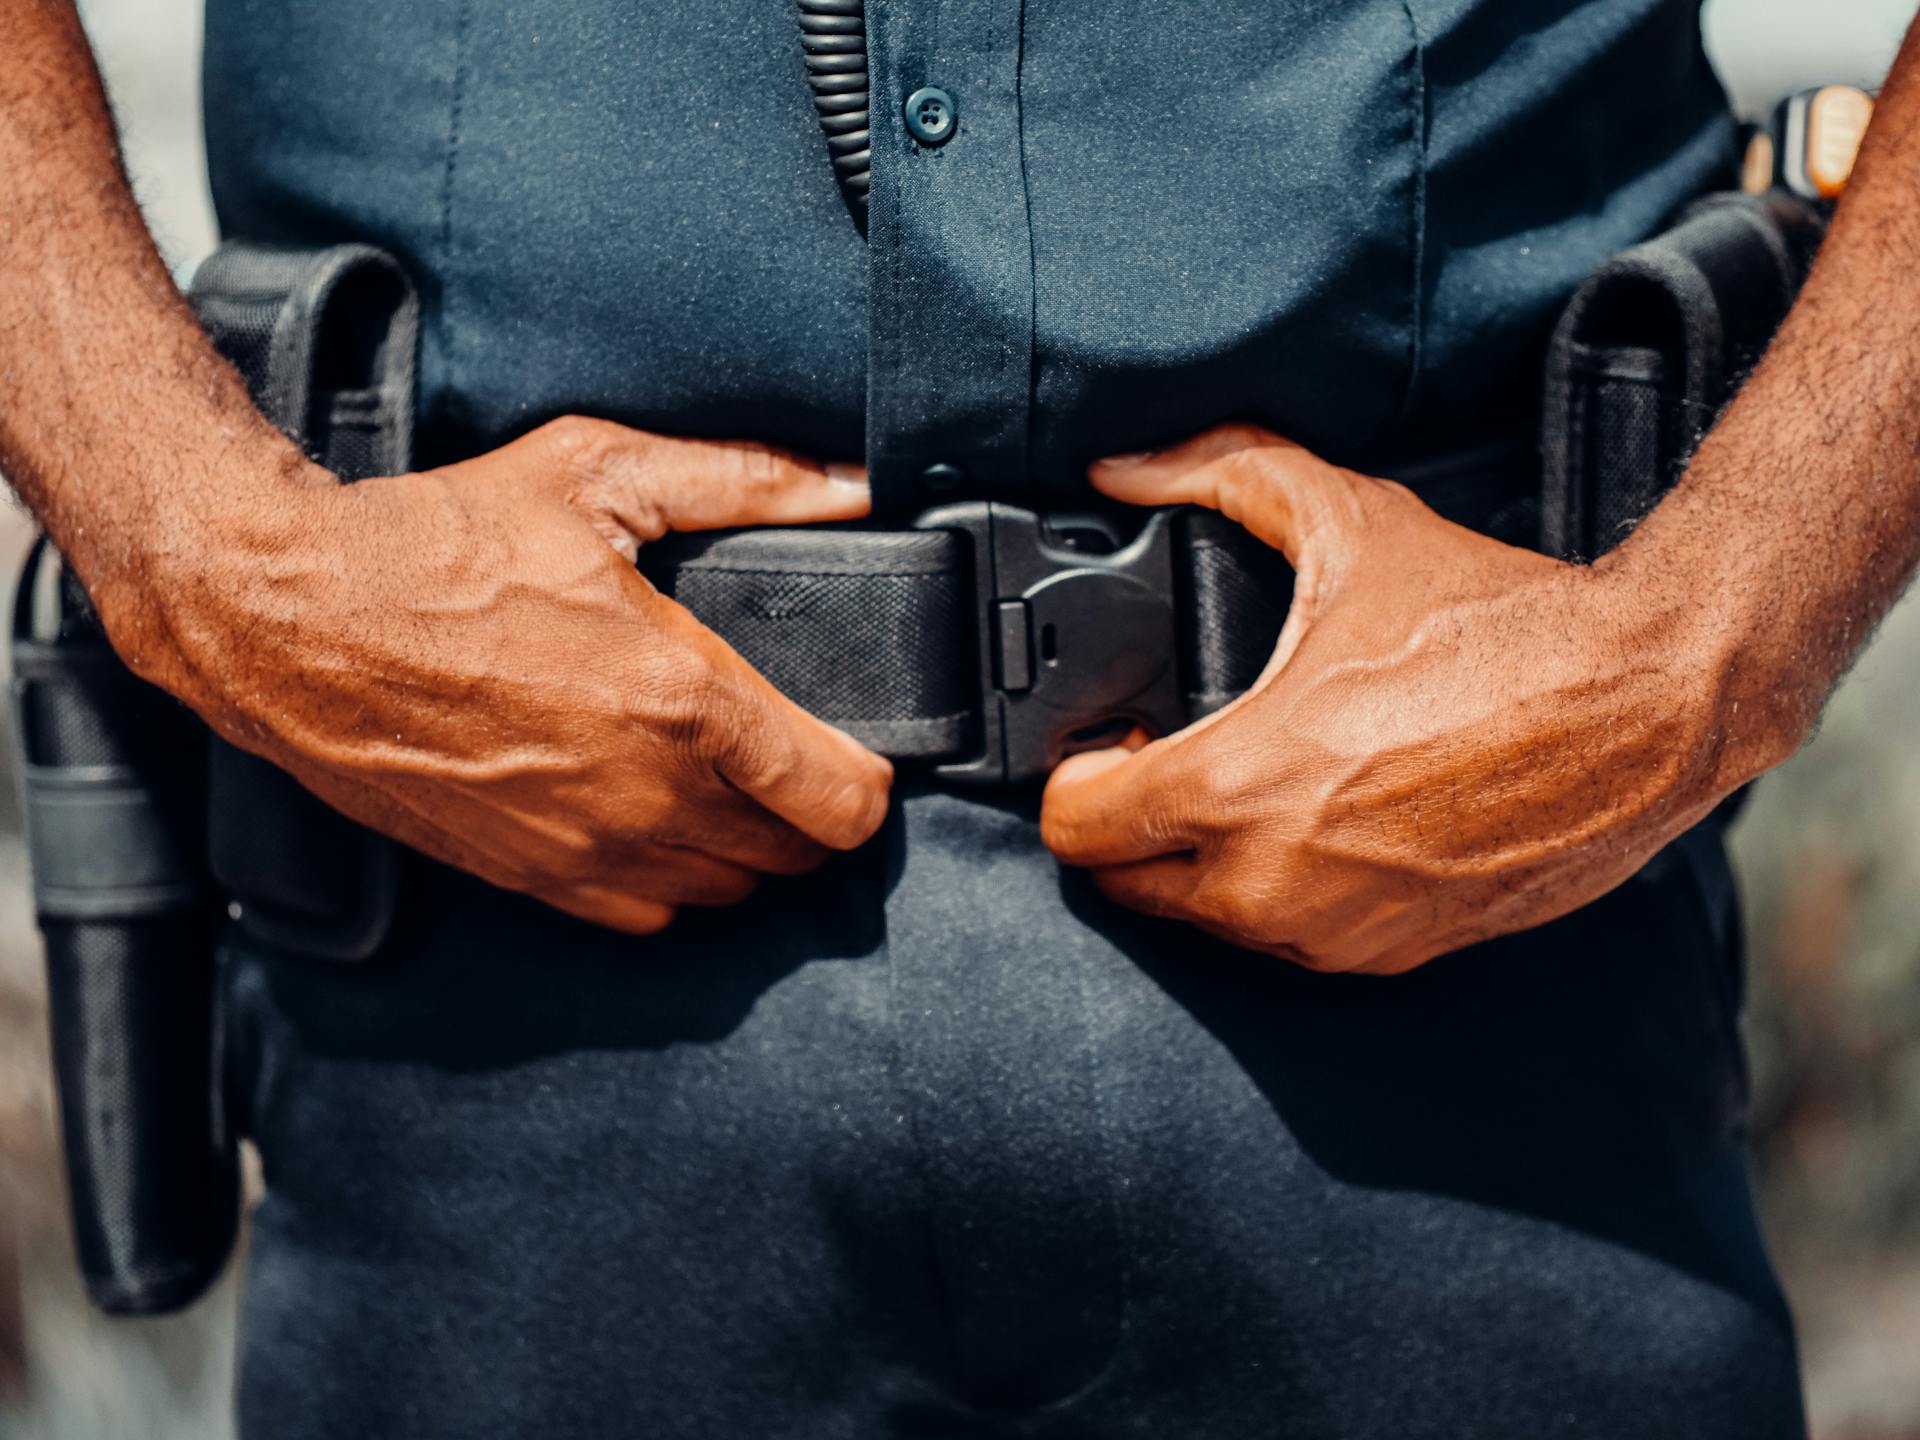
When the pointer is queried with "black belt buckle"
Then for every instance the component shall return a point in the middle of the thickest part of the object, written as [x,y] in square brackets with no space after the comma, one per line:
[1076,640]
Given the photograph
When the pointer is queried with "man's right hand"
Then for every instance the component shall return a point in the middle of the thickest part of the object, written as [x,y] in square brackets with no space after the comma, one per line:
[467,660]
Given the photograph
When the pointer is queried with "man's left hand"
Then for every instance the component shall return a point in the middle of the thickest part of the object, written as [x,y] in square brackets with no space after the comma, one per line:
[1454,739]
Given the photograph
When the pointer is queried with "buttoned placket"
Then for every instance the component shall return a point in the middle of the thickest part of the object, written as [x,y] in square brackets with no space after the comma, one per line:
[950,255]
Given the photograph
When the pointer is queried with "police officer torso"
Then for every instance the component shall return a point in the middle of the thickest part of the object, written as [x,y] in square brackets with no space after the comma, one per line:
[933,1142]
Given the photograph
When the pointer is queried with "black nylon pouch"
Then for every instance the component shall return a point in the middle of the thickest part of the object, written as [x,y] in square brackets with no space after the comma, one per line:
[327,341]
[113,778]
[1650,350]
[1648,353]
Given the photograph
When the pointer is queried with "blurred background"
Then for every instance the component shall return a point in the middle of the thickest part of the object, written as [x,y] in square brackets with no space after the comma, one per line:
[1828,853]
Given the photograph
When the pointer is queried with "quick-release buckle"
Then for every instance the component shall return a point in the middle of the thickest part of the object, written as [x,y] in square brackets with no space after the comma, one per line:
[1076,639]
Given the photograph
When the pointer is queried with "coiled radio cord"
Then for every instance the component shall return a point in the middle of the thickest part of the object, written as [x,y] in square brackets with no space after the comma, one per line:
[833,35]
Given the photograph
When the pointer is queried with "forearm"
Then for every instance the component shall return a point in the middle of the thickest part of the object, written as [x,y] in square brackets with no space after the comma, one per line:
[1798,523]
[119,423]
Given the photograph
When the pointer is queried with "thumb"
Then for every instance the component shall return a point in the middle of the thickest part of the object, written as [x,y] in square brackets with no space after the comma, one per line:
[820,780]
[636,486]
[1282,492]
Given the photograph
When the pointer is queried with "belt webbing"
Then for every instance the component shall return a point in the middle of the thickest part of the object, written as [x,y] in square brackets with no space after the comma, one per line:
[875,630]
[870,630]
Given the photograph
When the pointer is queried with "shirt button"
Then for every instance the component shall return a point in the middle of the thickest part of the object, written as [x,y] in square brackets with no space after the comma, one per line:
[931,115]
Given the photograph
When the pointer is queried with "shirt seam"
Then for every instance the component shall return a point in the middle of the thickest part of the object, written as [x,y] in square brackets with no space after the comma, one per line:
[1418,118]
[456,106]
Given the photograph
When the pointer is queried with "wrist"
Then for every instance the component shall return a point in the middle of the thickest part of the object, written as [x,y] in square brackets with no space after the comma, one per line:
[1733,665]
[164,584]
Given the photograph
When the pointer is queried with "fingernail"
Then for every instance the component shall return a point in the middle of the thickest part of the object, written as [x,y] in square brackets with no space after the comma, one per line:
[1127,457]
[842,473]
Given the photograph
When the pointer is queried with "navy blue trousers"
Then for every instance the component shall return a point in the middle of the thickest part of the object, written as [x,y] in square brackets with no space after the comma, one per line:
[938,1143]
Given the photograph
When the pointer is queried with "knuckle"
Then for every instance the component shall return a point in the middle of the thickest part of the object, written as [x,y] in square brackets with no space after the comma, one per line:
[724,736]
[1244,468]
[695,745]
[763,467]
[1233,783]
[577,442]
[1230,907]
[1234,901]
[1060,831]
[589,854]
[1245,435]
[685,708]
[651,808]
[1365,499]
[594,461]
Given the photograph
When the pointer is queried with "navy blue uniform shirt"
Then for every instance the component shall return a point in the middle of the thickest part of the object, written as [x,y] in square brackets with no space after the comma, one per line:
[1349,219]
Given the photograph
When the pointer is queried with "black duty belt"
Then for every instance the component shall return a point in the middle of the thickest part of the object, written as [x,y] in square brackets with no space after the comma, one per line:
[991,639]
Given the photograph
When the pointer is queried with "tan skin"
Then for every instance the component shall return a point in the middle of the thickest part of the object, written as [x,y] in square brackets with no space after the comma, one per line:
[1455,739]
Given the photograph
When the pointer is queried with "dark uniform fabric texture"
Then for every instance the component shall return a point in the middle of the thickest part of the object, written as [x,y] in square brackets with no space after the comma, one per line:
[937,1142]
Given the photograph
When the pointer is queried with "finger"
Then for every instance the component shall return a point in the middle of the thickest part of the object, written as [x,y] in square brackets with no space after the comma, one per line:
[637,486]
[1114,806]
[1280,491]
[759,841]
[1162,887]
[720,484]
[820,780]
[767,845]
[690,877]
[1170,888]
[634,914]
[599,905]
[656,483]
